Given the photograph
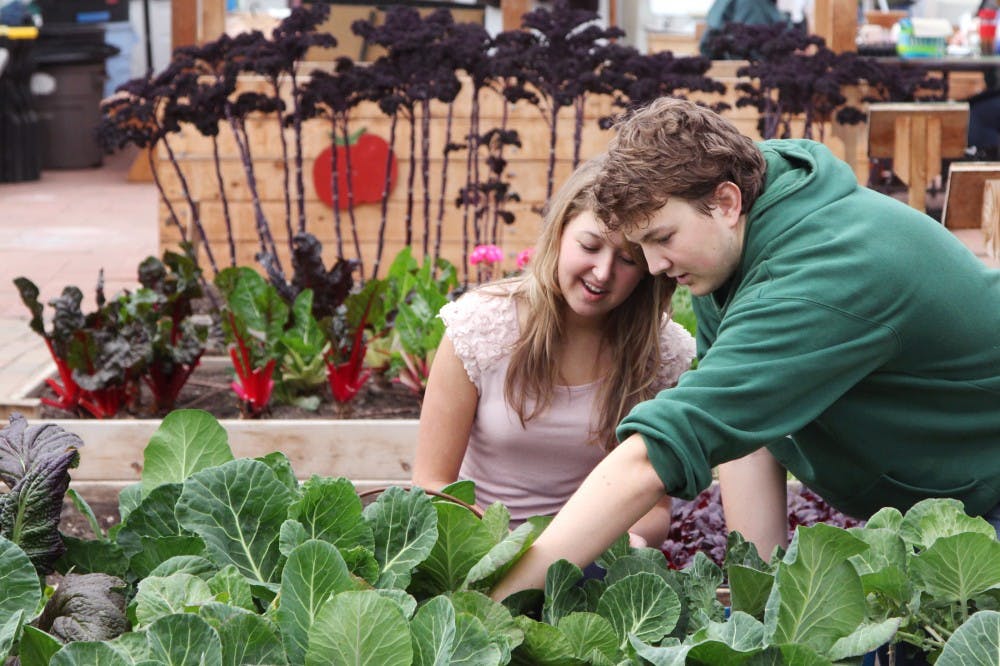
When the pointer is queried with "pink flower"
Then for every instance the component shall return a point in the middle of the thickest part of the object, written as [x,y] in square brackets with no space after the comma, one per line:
[524,256]
[490,254]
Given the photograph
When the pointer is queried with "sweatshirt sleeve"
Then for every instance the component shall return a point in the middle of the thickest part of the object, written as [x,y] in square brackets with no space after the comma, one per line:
[772,366]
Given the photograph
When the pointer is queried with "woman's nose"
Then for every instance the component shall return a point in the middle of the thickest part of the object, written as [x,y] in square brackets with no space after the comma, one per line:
[603,265]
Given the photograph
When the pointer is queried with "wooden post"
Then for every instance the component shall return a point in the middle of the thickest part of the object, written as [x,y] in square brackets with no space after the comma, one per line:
[512,11]
[991,218]
[836,21]
[196,21]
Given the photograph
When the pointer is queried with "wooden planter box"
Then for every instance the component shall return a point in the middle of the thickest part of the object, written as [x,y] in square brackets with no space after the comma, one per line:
[370,452]
[526,172]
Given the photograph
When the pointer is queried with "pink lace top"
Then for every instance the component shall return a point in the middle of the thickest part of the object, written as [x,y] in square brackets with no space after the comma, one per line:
[531,469]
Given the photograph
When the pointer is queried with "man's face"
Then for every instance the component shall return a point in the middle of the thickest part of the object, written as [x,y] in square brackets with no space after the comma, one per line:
[699,250]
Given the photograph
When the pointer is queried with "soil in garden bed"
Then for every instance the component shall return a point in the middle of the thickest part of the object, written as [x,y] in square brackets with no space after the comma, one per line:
[209,388]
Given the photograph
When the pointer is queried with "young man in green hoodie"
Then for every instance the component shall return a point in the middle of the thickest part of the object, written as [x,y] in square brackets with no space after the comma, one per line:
[841,333]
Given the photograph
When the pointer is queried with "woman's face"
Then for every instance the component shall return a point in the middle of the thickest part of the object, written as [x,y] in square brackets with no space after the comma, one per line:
[596,273]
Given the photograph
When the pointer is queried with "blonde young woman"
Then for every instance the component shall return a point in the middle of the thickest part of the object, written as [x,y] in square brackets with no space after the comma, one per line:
[535,371]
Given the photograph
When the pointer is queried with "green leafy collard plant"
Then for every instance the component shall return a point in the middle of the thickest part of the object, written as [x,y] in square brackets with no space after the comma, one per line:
[238,562]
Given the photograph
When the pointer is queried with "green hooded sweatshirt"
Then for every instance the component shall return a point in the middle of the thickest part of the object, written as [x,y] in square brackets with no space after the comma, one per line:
[858,340]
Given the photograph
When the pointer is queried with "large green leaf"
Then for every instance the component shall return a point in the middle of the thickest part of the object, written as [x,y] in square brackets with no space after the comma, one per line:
[187,441]
[502,555]
[404,524]
[246,638]
[741,631]
[154,517]
[589,632]
[544,645]
[433,633]
[238,509]
[87,556]
[817,597]
[10,629]
[500,625]
[749,589]
[932,519]
[330,510]
[975,643]
[883,565]
[184,640]
[159,597]
[473,646]
[643,605]
[230,587]
[314,572]
[157,550]
[462,541]
[958,567]
[89,653]
[37,647]
[867,638]
[496,520]
[194,565]
[360,629]
[18,580]
[563,595]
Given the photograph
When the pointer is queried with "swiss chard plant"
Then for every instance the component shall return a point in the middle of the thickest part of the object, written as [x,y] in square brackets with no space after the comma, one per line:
[253,320]
[405,327]
[99,357]
[162,309]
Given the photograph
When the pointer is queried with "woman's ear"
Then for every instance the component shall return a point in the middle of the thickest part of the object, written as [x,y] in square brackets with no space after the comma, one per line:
[728,201]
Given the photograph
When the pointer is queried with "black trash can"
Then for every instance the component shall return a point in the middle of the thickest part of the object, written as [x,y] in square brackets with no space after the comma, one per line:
[74,57]
[19,123]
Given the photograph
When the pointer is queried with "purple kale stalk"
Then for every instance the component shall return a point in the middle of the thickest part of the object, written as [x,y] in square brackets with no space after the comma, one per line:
[415,71]
[553,61]
[333,96]
[278,60]
[142,113]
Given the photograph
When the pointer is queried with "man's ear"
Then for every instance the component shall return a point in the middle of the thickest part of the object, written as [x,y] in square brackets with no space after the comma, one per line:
[728,201]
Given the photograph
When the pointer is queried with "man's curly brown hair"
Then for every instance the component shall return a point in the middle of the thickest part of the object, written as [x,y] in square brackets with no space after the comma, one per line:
[674,148]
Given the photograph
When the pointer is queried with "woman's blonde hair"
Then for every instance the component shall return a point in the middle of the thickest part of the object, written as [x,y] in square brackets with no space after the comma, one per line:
[632,333]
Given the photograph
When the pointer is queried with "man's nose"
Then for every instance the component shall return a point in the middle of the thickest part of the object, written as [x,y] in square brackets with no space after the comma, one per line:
[657,264]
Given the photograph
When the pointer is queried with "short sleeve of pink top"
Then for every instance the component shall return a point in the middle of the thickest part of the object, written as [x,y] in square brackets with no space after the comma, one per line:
[532,469]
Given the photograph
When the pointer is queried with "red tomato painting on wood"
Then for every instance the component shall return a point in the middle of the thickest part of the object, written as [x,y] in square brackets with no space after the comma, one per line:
[369,153]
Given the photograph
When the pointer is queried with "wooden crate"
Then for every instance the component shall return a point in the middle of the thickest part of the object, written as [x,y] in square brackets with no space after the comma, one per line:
[526,171]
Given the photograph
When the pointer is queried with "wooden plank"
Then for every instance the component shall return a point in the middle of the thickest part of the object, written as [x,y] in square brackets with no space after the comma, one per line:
[991,218]
[375,449]
[954,118]
[963,199]
[183,23]
[836,21]
[512,11]
[917,136]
